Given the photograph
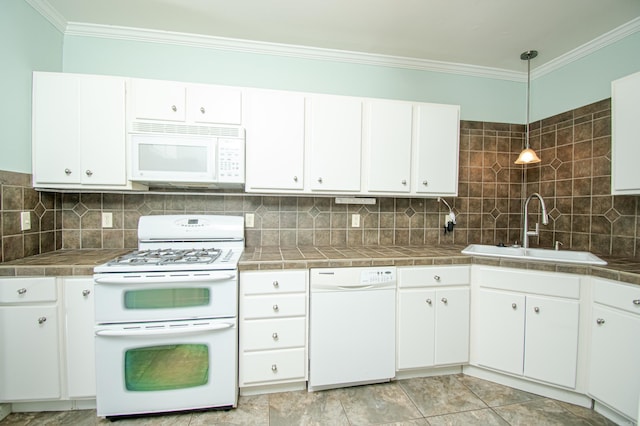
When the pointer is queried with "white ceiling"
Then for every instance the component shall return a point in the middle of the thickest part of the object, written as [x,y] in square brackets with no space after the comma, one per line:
[485,33]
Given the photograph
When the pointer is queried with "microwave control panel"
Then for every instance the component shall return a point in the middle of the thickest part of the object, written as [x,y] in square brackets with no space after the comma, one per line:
[231,160]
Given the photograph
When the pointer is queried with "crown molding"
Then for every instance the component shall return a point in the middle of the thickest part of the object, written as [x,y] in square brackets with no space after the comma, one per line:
[586,49]
[49,13]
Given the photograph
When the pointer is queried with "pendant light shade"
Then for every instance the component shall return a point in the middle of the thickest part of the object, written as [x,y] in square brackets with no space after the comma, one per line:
[528,155]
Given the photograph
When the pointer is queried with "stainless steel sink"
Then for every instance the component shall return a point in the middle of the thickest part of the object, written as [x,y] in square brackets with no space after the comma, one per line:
[544,255]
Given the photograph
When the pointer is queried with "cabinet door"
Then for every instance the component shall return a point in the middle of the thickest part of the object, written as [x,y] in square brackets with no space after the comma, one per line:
[214,105]
[436,149]
[625,112]
[500,336]
[159,100]
[551,340]
[56,145]
[335,137]
[614,376]
[416,324]
[79,321]
[102,134]
[29,359]
[452,326]
[388,150]
[274,123]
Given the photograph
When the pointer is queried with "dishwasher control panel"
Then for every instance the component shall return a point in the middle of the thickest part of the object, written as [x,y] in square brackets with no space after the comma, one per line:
[377,276]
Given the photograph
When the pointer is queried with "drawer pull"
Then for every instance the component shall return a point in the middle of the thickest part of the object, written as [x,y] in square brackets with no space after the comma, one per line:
[600,321]
[174,108]
[275,308]
[202,110]
[636,302]
[275,336]
[274,368]
[42,320]
[22,290]
[276,284]
[444,300]
[85,293]
[428,302]
[436,277]
[536,310]
[514,306]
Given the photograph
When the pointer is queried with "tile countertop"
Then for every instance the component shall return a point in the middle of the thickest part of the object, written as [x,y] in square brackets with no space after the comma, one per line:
[82,262]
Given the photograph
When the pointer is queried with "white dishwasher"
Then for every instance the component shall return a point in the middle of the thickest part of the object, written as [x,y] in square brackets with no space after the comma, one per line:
[351,326]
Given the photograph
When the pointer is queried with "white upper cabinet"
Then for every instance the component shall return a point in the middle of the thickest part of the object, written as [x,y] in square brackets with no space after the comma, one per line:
[274,125]
[625,114]
[435,151]
[335,143]
[184,102]
[387,149]
[79,131]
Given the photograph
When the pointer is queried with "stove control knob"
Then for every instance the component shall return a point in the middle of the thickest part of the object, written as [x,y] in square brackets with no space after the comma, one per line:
[276,284]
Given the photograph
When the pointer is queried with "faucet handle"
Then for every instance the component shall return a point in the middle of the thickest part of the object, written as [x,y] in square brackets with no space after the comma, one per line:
[558,244]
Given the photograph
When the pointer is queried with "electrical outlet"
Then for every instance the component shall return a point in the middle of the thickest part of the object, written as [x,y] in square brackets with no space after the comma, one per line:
[107,220]
[249,220]
[25,221]
[355,221]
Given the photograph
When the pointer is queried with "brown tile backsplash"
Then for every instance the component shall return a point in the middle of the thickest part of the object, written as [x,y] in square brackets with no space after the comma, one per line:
[573,178]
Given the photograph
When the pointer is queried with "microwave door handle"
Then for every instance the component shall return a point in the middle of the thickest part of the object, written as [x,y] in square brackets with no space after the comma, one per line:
[148,279]
[163,331]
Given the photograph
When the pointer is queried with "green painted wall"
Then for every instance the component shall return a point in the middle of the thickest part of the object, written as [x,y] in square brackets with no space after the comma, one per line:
[29,42]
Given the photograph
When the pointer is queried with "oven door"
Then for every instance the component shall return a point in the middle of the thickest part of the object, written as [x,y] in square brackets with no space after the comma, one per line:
[160,296]
[166,366]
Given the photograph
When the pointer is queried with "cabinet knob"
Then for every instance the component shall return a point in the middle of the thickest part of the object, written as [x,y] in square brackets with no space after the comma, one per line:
[89,172]
[600,321]
[636,302]
[536,310]
[274,368]
[67,172]
[22,290]
[202,110]
[275,336]
[404,182]
[275,308]
[514,306]
[85,293]
[276,284]
[174,108]
[428,301]
[425,183]
[319,180]
[436,277]
[295,178]
[42,320]
[444,300]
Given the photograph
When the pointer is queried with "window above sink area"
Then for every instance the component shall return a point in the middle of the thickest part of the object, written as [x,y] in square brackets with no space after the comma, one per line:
[534,254]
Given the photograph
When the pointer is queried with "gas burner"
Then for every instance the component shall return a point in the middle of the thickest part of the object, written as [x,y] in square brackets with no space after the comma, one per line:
[168,256]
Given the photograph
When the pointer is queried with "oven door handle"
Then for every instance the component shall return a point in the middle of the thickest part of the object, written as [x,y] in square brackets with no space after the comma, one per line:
[164,331]
[148,279]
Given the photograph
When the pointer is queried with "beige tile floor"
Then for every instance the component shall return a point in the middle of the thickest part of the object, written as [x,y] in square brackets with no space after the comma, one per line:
[444,400]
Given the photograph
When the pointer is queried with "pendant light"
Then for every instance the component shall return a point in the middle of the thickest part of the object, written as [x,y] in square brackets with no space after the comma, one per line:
[528,155]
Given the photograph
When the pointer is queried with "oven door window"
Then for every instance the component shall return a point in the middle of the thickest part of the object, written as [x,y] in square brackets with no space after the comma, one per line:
[166,298]
[166,367]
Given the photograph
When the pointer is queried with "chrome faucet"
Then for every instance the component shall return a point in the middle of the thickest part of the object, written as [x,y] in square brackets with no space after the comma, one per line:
[545,220]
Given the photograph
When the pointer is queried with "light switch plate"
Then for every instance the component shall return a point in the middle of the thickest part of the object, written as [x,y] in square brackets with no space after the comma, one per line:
[249,220]
[355,221]
[107,220]
[25,221]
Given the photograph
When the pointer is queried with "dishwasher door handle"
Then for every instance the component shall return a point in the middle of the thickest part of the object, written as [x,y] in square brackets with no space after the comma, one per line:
[354,287]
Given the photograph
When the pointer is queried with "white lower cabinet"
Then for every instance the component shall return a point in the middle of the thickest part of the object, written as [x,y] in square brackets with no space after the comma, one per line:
[273,328]
[29,338]
[80,351]
[614,368]
[432,316]
[527,323]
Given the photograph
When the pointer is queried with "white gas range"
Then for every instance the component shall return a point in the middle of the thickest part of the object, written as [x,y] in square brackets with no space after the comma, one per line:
[166,318]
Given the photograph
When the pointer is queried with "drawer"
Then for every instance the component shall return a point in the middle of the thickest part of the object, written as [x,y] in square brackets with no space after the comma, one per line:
[433,276]
[272,334]
[273,282]
[527,281]
[269,307]
[272,366]
[28,290]
[617,295]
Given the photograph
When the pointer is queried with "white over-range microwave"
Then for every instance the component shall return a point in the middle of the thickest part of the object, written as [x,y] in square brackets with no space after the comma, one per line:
[182,159]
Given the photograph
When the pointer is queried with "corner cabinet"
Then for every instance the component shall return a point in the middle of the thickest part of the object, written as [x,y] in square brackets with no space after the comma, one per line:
[79,138]
[614,371]
[432,316]
[273,330]
[625,144]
